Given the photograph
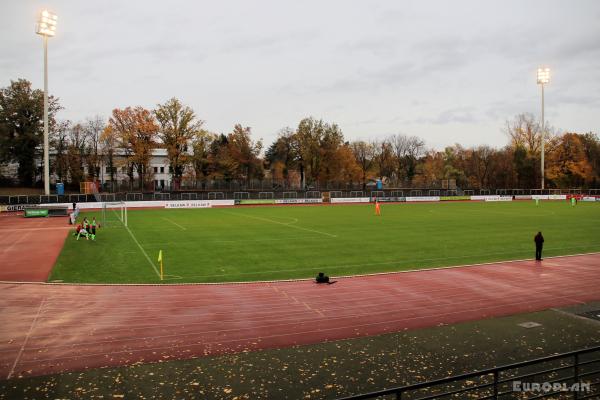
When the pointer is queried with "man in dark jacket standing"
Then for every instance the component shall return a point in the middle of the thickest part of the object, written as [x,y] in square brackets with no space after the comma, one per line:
[539,243]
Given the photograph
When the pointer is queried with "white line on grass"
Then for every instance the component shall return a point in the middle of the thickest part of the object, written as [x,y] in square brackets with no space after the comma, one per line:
[143,251]
[174,223]
[281,223]
[138,244]
[404,262]
[263,240]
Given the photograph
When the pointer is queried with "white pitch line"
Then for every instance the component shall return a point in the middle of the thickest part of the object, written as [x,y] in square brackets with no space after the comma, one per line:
[282,223]
[143,251]
[404,262]
[174,223]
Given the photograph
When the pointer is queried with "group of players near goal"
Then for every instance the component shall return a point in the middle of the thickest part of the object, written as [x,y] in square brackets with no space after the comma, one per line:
[86,229]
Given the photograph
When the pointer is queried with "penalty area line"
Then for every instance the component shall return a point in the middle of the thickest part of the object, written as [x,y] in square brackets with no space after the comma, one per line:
[289,224]
[143,251]
[174,223]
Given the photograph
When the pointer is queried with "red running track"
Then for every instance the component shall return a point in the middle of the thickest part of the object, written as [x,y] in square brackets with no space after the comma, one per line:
[54,328]
[29,246]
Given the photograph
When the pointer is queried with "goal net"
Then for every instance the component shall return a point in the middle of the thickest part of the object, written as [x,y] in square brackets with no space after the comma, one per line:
[114,214]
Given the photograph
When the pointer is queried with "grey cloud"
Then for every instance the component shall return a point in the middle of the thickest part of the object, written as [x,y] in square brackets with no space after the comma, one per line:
[368,121]
[461,115]
[586,45]
[399,74]
[385,46]
[579,100]
[268,43]
[504,110]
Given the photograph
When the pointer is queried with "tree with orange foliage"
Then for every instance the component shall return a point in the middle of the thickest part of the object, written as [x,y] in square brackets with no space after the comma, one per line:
[432,169]
[348,169]
[364,154]
[137,131]
[108,145]
[239,155]
[178,128]
[568,165]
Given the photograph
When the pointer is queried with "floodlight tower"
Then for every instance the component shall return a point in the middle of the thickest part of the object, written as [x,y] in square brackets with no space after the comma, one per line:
[543,77]
[46,27]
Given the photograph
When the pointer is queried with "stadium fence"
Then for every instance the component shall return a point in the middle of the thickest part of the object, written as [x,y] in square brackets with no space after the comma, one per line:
[189,196]
[280,194]
[577,369]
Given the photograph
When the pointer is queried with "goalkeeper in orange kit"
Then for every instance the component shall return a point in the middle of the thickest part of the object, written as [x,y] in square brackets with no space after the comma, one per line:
[377,208]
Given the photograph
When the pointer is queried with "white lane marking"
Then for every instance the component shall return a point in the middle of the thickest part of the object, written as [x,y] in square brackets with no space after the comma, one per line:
[33,323]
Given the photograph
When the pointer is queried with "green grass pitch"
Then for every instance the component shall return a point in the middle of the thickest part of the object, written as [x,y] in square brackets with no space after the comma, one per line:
[284,242]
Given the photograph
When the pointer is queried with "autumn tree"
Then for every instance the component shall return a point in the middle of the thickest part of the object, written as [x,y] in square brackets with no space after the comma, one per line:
[244,153]
[525,132]
[568,165]
[455,164]
[22,126]
[364,155]
[383,157]
[407,151]
[345,166]
[309,134]
[525,137]
[109,146]
[591,146]
[222,164]
[201,154]
[431,170]
[77,152]
[333,160]
[59,143]
[480,164]
[93,131]
[283,155]
[502,173]
[178,127]
[316,141]
[137,132]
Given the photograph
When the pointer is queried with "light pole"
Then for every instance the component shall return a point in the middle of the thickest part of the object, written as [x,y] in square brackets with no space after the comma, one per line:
[543,77]
[46,27]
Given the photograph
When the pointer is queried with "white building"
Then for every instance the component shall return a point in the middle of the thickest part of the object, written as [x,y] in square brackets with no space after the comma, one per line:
[159,167]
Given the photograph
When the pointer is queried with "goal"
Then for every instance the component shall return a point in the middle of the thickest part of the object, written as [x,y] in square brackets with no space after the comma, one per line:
[114,214]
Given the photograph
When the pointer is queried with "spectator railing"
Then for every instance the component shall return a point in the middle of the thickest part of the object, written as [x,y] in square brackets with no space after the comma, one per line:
[575,374]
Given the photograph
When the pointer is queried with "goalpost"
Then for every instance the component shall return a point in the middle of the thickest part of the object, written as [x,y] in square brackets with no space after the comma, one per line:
[114,213]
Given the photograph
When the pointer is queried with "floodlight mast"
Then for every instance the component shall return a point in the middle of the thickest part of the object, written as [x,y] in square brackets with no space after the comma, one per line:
[46,27]
[543,78]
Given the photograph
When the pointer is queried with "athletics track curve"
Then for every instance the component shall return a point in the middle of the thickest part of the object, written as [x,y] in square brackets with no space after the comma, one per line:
[55,328]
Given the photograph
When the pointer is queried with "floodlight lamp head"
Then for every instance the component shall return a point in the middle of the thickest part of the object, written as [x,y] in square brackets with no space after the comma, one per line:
[543,76]
[46,25]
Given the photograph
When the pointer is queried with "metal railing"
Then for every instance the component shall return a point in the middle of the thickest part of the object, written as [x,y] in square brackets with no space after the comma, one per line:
[573,370]
[277,194]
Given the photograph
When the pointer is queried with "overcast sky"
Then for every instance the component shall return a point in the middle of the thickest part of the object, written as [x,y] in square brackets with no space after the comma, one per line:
[447,71]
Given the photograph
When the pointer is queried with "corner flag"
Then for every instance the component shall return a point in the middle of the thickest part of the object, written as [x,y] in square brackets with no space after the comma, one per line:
[160,260]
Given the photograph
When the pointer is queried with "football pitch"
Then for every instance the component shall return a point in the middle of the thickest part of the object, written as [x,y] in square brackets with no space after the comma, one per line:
[287,242]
